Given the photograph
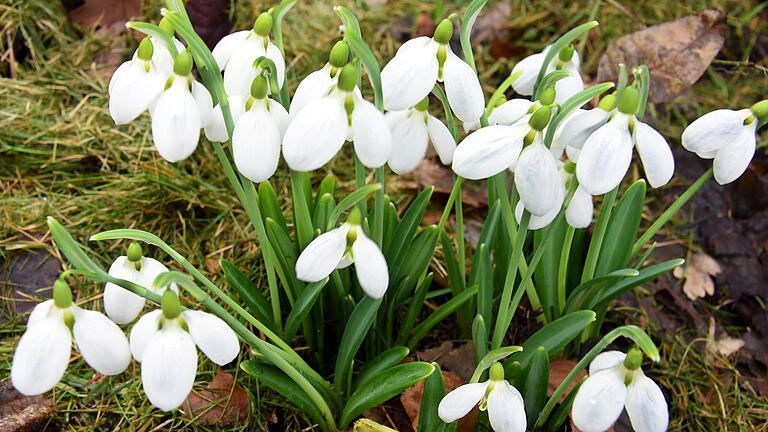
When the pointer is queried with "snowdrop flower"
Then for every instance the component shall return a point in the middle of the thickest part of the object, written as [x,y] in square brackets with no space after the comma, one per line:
[411,130]
[567,60]
[121,305]
[320,82]
[258,133]
[616,381]
[419,63]
[511,111]
[236,53]
[43,352]
[216,130]
[607,153]
[136,84]
[319,130]
[340,247]
[502,400]
[164,340]
[728,137]
[580,210]
[580,124]
[180,112]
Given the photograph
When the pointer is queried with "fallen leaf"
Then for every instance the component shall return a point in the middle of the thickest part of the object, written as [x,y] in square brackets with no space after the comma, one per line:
[559,368]
[19,413]
[222,403]
[698,276]
[677,52]
[725,345]
[411,397]
[103,13]
[432,173]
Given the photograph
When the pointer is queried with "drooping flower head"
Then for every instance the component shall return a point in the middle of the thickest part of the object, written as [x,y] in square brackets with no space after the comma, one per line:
[728,137]
[319,130]
[236,54]
[123,306]
[340,247]
[503,401]
[411,130]
[320,82]
[164,340]
[567,59]
[43,352]
[137,83]
[580,124]
[419,63]
[615,382]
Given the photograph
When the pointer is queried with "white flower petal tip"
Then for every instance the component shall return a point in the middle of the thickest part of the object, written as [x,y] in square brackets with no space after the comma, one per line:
[213,336]
[441,138]
[509,112]
[713,131]
[599,401]
[101,342]
[606,360]
[658,162]
[176,122]
[168,367]
[462,87]
[411,74]
[216,130]
[733,159]
[506,410]
[489,151]
[605,158]
[460,401]
[316,134]
[576,128]
[370,266]
[646,406]
[371,136]
[580,210]
[133,89]
[322,255]
[316,85]
[529,71]
[256,144]
[409,140]
[537,179]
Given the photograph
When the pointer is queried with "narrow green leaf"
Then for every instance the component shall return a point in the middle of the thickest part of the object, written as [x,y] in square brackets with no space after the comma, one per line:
[556,421]
[576,295]
[555,51]
[368,59]
[391,220]
[608,294]
[492,357]
[536,383]
[270,206]
[301,191]
[487,237]
[455,279]
[405,231]
[467,22]
[415,307]
[286,255]
[479,337]
[484,271]
[248,292]
[575,102]
[302,307]
[357,327]
[434,390]
[443,311]
[71,249]
[418,255]
[622,229]
[323,210]
[349,201]
[277,21]
[384,386]
[385,360]
[157,33]
[327,186]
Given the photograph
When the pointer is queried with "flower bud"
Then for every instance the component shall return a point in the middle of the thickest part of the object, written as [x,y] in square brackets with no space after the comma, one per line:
[540,118]
[443,32]
[566,54]
[422,105]
[263,24]
[634,359]
[166,26]
[146,49]
[628,101]
[62,295]
[608,103]
[760,109]
[547,96]
[259,87]
[348,78]
[339,54]
[497,372]
[170,304]
[182,65]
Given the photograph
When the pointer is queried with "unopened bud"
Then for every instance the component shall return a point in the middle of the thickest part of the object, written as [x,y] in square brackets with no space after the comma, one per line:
[628,101]
[62,295]
[547,96]
[443,32]
[566,54]
[259,87]
[146,49]
[348,78]
[170,304]
[540,118]
[182,65]
[339,54]
[263,24]
[634,359]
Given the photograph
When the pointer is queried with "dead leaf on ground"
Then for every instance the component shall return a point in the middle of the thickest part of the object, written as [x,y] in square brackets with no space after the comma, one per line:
[411,397]
[698,275]
[432,173]
[221,403]
[559,368]
[725,345]
[677,52]
[103,13]
[19,413]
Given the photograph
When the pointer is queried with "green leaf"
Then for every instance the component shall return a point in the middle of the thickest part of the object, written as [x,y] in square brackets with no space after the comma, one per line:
[302,218]
[286,255]
[556,421]
[434,390]
[368,59]
[546,273]
[357,327]
[157,33]
[415,307]
[248,292]
[484,273]
[467,22]
[278,381]
[277,21]
[574,303]
[391,220]
[492,357]
[455,279]
[384,386]
[418,256]
[621,231]
[487,236]
[349,20]
[554,336]
[441,312]
[536,383]
[608,294]
[270,206]
[323,210]
[71,249]
[327,186]
[405,231]
[302,307]
[479,337]
[349,201]
[385,360]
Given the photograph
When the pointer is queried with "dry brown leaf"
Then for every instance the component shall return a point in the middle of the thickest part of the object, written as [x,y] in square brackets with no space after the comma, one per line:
[725,346]
[706,263]
[411,397]
[103,13]
[698,276]
[19,413]
[430,172]
[677,52]
[221,403]
[559,368]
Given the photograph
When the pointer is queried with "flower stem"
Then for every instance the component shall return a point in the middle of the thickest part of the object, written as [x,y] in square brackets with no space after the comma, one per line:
[597,237]
[455,191]
[562,275]
[500,328]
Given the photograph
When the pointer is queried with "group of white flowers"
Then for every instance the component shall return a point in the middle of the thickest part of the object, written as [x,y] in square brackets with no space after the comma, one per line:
[163,340]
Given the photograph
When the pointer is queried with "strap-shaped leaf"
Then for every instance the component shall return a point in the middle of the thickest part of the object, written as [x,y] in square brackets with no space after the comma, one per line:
[248,292]
[349,201]
[270,206]
[608,294]
[385,360]
[434,390]
[302,307]
[405,231]
[414,307]
[359,323]
[492,357]
[323,210]
[467,22]
[439,314]
[536,383]
[622,230]
[479,337]
[157,33]
[575,300]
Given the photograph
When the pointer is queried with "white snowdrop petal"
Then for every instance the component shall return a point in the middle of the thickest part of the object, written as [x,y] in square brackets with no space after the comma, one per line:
[373,142]
[606,360]
[150,270]
[370,266]
[100,341]
[240,72]
[462,87]
[409,140]
[204,103]
[530,71]
[256,144]
[460,401]
[213,336]
[312,87]
[537,222]
[655,153]
[599,401]
[316,134]
[605,159]
[40,312]
[143,331]
[273,53]
[712,131]
[227,45]
[505,409]
[488,151]
[123,68]
[441,138]
[176,123]
[509,112]
[732,160]
[567,87]
[42,355]
[133,92]
[280,116]
[121,305]
[216,130]
[537,179]
[169,367]
[580,210]
[322,254]
[646,406]
[410,75]
[574,131]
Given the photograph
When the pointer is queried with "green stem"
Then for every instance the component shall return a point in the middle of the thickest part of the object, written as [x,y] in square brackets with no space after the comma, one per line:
[359,183]
[499,93]
[456,190]
[562,275]
[460,235]
[509,282]
[378,205]
[669,212]
[597,237]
